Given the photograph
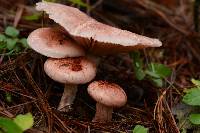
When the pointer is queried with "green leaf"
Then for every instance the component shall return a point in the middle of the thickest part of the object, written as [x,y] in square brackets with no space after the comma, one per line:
[2,41]
[2,38]
[183,131]
[11,31]
[2,45]
[11,43]
[24,43]
[10,52]
[32,17]
[159,70]
[9,126]
[140,129]
[8,97]
[195,82]
[24,121]
[194,119]
[79,3]
[152,74]
[192,96]
[137,65]
[157,82]
[17,49]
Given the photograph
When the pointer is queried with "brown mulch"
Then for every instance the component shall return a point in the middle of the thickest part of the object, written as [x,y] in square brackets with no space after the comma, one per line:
[33,91]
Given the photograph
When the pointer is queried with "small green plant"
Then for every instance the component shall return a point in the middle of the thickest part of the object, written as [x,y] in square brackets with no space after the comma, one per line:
[17,125]
[79,3]
[140,129]
[10,42]
[155,72]
[192,97]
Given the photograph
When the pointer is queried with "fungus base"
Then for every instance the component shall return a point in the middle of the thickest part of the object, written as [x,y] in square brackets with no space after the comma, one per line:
[103,113]
[68,97]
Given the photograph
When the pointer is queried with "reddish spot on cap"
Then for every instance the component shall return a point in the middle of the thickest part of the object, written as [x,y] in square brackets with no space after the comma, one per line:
[77,70]
[109,94]
[54,43]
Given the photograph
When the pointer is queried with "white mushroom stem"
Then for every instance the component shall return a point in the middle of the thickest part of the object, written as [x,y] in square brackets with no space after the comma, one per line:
[103,113]
[68,97]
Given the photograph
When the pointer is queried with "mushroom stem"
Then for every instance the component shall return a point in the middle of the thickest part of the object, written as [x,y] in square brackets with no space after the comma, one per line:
[103,113]
[68,97]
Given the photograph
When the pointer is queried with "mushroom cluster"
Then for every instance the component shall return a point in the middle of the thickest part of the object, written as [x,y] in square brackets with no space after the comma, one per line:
[66,64]
[68,52]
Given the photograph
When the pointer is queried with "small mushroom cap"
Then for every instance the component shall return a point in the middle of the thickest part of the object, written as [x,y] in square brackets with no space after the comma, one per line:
[77,70]
[53,43]
[109,94]
[96,37]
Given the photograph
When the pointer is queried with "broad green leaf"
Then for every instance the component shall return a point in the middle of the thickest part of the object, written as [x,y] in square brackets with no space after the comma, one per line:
[24,121]
[140,129]
[192,96]
[2,38]
[159,69]
[11,43]
[195,82]
[137,65]
[194,119]
[11,31]
[32,17]
[24,43]
[9,126]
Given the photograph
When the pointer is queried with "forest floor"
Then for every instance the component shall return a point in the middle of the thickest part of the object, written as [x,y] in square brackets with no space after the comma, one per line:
[157,108]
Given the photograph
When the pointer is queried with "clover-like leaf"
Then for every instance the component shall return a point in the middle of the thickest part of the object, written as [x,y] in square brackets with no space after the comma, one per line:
[157,82]
[24,121]
[140,129]
[194,119]
[159,70]
[137,65]
[11,43]
[192,96]
[11,31]
[9,126]
[2,38]
[195,82]
[24,43]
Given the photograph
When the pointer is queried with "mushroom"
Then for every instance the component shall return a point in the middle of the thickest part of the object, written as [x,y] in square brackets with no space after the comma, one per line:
[52,42]
[108,96]
[71,72]
[96,37]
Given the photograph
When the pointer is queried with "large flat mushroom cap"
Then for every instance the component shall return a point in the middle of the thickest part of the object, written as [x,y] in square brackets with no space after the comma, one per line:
[76,70]
[53,43]
[109,94]
[96,37]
